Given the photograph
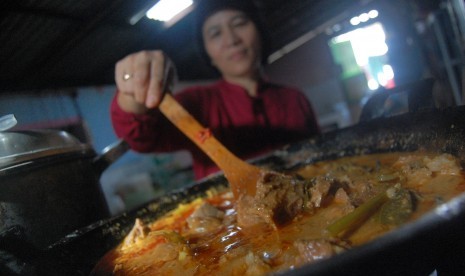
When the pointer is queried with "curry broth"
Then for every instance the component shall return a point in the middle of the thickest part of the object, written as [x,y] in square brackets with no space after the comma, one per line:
[170,246]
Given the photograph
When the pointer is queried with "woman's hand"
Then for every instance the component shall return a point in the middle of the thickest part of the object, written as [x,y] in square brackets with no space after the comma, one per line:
[139,79]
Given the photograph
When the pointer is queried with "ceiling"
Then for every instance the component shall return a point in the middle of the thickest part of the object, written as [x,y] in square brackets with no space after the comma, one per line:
[54,44]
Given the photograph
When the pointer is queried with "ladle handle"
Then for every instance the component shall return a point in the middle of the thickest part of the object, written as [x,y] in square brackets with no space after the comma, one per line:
[242,176]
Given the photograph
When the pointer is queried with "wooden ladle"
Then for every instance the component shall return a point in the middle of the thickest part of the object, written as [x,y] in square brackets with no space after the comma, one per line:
[242,176]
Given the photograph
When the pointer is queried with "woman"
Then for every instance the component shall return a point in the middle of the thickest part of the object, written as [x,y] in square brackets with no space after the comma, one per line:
[248,114]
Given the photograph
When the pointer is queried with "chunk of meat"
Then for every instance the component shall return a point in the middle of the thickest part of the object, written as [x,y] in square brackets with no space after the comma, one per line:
[152,252]
[341,197]
[279,198]
[164,254]
[205,218]
[242,262]
[138,232]
[319,249]
[443,164]
[317,192]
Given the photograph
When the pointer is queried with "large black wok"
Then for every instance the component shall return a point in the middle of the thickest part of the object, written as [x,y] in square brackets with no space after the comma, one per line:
[435,242]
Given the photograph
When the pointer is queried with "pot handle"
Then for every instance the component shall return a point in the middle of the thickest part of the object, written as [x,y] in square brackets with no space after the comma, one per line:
[110,154]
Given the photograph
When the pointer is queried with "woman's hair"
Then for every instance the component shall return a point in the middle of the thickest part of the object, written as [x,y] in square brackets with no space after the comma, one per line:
[206,8]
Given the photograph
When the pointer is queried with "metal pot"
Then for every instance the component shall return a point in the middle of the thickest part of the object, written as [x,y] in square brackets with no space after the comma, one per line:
[49,184]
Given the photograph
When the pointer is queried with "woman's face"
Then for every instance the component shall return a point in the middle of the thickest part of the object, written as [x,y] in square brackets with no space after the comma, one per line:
[233,43]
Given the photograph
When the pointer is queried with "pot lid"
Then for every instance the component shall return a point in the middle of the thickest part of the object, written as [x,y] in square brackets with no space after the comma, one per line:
[20,146]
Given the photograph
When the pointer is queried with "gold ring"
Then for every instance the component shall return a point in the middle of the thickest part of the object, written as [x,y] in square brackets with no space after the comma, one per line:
[127,76]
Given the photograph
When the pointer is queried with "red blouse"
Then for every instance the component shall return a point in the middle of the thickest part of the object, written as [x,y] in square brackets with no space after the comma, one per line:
[248,126]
